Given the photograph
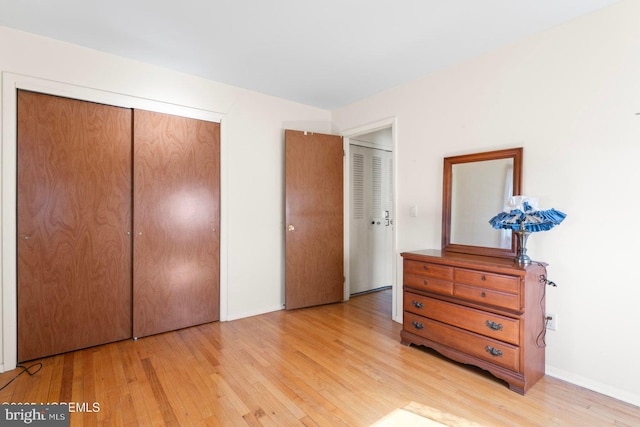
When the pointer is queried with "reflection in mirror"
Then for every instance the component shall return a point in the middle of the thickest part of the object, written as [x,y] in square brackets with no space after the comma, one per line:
[480,190]
[476,187]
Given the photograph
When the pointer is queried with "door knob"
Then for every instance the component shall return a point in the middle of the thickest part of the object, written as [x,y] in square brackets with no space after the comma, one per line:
[291,227]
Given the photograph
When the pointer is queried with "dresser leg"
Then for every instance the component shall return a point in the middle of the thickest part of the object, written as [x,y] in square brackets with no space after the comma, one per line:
[518,389]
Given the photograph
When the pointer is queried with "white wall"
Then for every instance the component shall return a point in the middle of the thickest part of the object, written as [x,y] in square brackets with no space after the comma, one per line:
[252,156]
[570,97]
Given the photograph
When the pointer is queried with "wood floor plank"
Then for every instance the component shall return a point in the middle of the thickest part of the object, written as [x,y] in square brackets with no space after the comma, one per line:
[334,365]
[159,394]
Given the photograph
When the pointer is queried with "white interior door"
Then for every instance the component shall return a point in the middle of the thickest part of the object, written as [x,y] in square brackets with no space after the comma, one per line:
[371,218]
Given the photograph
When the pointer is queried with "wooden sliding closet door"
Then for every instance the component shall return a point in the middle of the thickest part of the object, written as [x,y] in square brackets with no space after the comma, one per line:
[74,213]
[176,222]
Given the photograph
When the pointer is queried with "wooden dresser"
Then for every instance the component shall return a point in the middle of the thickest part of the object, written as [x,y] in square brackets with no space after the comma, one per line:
[477,310]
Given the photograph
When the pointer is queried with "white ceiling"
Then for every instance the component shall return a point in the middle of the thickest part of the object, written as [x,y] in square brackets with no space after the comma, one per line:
[326,53]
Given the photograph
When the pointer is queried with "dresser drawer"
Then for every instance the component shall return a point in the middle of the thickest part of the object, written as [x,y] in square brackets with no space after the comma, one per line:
[490,350]
[492,325]
[489,297]
[426,269]
[485,280]
[428,284]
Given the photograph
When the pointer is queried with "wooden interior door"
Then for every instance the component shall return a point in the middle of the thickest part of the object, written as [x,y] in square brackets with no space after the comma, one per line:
[314,264]
[176,222]
[74,212]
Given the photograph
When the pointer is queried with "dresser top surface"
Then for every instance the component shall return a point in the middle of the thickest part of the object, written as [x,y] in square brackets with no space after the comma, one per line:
[460,259]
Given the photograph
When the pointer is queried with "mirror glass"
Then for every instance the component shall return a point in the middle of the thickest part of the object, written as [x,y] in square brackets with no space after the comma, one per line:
[476,187]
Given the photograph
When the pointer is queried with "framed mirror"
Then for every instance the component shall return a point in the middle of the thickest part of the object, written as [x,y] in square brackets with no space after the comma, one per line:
[475,188]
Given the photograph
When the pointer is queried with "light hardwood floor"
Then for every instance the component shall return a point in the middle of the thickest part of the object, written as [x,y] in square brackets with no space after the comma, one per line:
[339,364]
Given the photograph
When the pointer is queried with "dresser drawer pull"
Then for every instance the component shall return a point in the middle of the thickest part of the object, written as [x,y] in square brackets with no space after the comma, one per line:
[493,325]
[493,351]
[417,304]
[483,295]
[424,282]
[483,278]
[425,268]
[417,325]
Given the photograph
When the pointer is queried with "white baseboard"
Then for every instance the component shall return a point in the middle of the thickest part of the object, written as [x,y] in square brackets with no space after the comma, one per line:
[598,387]
[245,314]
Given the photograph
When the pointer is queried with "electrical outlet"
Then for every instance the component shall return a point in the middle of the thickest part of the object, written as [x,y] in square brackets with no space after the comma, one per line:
[551,321]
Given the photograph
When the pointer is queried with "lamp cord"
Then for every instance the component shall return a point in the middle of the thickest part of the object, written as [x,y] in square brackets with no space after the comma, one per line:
[543,279]
[27,369]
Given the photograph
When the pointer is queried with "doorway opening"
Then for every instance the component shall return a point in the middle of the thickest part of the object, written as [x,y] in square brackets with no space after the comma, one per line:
[370,211]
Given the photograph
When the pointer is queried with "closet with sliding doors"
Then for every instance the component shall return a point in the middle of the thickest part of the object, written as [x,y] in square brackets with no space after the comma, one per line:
[118,223]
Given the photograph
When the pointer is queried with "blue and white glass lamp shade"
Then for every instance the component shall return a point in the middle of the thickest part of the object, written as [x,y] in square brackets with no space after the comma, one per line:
[523,217]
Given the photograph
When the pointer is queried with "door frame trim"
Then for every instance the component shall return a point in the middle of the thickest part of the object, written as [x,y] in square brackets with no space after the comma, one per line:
[396,291]
[11,82]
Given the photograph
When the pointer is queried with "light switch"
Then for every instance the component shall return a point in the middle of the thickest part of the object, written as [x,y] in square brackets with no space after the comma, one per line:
[414,211]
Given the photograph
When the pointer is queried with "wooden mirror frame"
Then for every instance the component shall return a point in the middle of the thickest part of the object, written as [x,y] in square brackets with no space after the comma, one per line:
[447,246]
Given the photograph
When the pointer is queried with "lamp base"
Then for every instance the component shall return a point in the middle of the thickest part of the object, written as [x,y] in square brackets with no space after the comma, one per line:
[522,259]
